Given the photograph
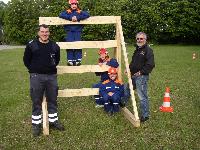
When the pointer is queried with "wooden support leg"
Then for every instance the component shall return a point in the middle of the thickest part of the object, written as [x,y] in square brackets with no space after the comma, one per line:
[131,117]
[45,117]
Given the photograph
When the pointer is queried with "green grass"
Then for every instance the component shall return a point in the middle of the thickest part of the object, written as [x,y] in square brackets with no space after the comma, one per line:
[90,128]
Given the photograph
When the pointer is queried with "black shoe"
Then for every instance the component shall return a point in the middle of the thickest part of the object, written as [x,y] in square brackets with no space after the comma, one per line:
[111,113]
[56,125]
[36,130]
[143,119]
[122,105]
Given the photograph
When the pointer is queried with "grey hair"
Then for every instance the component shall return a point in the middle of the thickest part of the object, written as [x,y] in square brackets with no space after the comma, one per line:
[142,33]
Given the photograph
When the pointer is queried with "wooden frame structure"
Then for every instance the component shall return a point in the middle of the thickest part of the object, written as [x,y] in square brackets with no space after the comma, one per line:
[119,46]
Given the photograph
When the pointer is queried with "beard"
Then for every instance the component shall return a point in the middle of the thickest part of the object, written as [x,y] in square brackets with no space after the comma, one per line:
[140,44]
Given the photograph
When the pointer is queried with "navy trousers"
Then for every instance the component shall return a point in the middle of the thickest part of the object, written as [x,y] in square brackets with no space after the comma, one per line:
[41,84]
[73,55]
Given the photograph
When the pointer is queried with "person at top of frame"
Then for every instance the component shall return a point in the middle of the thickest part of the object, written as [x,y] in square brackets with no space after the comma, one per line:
[74,14]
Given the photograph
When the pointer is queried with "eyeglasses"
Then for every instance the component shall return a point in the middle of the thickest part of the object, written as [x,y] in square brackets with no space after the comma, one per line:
[73,3]
[139,38]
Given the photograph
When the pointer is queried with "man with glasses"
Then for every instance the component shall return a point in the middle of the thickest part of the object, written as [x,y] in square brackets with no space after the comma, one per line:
[141,66]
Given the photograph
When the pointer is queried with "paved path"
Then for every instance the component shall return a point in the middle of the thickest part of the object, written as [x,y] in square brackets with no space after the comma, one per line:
[2,47]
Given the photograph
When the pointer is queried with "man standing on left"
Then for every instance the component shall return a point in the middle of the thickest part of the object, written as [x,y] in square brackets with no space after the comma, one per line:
[41,56]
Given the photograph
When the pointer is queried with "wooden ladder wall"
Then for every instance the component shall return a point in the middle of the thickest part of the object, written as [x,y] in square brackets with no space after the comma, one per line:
[118,44]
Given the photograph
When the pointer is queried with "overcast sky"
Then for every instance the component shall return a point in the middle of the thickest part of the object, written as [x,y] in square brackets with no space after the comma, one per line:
[5,1]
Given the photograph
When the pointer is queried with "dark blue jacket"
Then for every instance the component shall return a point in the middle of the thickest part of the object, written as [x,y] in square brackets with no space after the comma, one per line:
[142,60]
[41,58]
[80,15]
[110,62]
[111,86]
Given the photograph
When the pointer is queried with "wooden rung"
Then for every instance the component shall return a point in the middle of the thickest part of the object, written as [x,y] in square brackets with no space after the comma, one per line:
[87,44]
[78,92]
[45,117]
[81,69]
[131,117]
[90,20]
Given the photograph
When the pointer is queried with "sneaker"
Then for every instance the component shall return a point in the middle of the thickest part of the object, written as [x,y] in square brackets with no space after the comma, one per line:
[143,119]
[99,106]
[56,125]
[78,63]
[36,130]
[69,63]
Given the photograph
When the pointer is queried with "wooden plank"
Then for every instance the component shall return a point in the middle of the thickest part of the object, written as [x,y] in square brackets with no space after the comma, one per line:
[128,70]
[131,117]
[87,44]
[118,49]
[78,92]
[81,69]
[90,20]
[45,117]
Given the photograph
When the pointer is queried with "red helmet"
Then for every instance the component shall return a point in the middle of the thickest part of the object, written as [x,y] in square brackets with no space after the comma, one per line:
[73,1]
[103,51]
[112,70]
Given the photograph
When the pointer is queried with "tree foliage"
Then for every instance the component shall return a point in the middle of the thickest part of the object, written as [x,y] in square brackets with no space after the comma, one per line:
[165,21]
[2,10]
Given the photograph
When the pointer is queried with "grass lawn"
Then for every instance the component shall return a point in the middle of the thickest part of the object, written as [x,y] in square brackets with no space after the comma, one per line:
[90,128]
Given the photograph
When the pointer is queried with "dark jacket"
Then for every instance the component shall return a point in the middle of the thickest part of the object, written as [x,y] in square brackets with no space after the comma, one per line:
[80,15]
[110,62]
[41,58]
[115,87]
[142,60]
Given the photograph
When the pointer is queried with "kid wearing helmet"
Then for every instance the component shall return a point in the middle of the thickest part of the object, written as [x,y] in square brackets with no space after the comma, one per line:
[103,60]
[112,90]
[74,14]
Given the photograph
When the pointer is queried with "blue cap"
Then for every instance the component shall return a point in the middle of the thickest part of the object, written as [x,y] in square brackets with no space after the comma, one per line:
[113,63]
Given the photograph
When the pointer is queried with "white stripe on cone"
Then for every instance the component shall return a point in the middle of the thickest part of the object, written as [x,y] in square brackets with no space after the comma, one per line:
[166,104]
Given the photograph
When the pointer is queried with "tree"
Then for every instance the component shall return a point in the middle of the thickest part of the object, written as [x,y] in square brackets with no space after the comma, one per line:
[2,10]
[165,21]
[21,19]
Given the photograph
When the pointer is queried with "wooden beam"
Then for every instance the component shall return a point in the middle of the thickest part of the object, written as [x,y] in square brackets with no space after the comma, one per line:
[81,69]
[45,117]
[78,92]
[128,115]
[118,49]
[128,70]
[90,20]
[87,44]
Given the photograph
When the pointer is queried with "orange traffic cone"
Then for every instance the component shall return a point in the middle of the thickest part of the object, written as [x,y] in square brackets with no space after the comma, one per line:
[193,56]
[166,102]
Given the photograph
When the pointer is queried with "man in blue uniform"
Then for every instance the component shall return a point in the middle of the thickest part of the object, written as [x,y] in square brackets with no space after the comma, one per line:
[41,56]
[141,66]
[112,90]
[74,14]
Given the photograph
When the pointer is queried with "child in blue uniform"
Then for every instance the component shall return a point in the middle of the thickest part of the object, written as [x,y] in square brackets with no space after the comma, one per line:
[74,14]
[103,60]
[112,90]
